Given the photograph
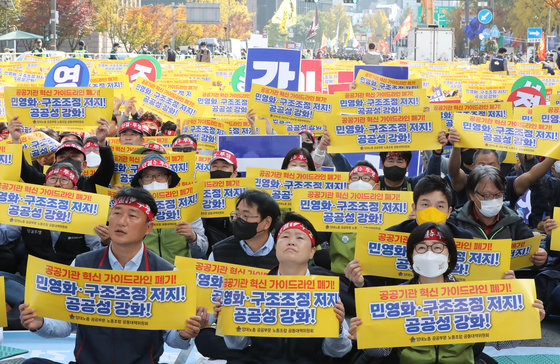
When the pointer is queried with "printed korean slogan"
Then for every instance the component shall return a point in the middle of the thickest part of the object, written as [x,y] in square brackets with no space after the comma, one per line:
[279,306]
[522,250]
[386,132]
[502,110]
[480,93]
[367,81]
[10,162]
[508,135]
[210,277]
[202,168]
[281,184]
[220,196]
[51,208]
[290,111]
[450,313]
[349,210]
[205,131]
[46,107]
[378,102]
[383,253]
[225,104]
[156,300]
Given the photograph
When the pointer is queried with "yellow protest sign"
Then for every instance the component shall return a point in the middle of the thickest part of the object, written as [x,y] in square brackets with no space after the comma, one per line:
[225,104]
[377,102]
[502,110]
[38,144]
[545,114]
[281,183]
[3,315]
[42,106]
[346,210]
[119,83]
[205,131]
[178,204]
[291,111]
[220,196]
[555,234]
[279,306]
[117,147]
[243,127]
[154,300]
[482,93]
[367,81]
[210,277]
[385,132]
[51,208]
[523,113]
[507,135]
[383,253]
[448,313]
[10,162]
[202,167]
[522,250]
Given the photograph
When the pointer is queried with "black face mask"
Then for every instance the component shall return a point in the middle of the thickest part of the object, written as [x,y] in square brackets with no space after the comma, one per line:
[394,173]
[243,230]
[220,174]
[467,156]
[307,146]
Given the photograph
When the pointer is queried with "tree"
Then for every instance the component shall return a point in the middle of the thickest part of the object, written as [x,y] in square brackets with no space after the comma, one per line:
[9,15]
[531,14]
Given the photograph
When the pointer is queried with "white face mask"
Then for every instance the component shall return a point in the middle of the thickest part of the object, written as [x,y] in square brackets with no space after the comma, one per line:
[93,160]
[430,264]
[557,166]
[297,168]
[360,185]
[155,185]
[491,208]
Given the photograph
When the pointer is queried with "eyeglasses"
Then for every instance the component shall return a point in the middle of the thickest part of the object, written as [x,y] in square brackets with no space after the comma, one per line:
[490,196]
[365,177]
[147,178]
[183,150]
[437,248]
[63,181]
[234,215]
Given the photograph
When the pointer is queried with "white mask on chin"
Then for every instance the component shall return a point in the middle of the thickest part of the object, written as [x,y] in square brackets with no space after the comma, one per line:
[360,185]
[93,160]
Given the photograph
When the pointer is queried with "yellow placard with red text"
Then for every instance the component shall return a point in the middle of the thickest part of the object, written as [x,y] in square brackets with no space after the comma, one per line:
[225,104]
[37,144]
[368,81]
[378,102]
[501,110]
[281,183]
[279,306]
[210,277]
[119,83]
[154,300]
[447,313]
[483,93]
[51,208]
[350,210]
[523,250]
[220,196]
[383,253]
[10,162]
[205,131]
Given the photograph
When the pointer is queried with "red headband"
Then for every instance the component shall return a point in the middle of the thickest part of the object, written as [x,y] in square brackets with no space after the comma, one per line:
[367,170]
[153,163]
[299,226]
[183,141]
[308,132]
[299,157]
[91,144]
[65,172]
[394,155]
[433,234]
[168,132]
[131,124]
[131,201]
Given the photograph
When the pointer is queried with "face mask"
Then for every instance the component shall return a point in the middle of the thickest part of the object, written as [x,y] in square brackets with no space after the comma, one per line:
[93,160]
[220,174]
[491,208]
[297,168]
[155,185]
[467,156]
[557,166]
[430,214]
[243,230]
[360,185]
[307,146]
[153,132]
[429,264]
[394,173]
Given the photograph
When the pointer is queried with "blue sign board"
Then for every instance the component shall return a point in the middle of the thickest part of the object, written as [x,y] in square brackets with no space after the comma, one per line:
[397,72]
[485,16]
[272,67]
[534,33]
[68,73]
[495,33]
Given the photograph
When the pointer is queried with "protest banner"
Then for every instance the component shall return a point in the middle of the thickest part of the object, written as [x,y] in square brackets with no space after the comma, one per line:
[119,83]
[210,277]
[482,93]
[279,306]
[555,234]
[383,253]
[117,147]
[243,127]
[523,250]
[3,315]
[281,183]
[367,81]
[374,133]
[507,135]
[51,208]
[38,144]
[205,131]
[220,196]
[377,102]
[147,300]
[273,67]
[290,111]
[225,104]
[10,162]
[501,110]
[48,106]
[523,113]
[545,114]
[447,314]
[346,210]
[202,167]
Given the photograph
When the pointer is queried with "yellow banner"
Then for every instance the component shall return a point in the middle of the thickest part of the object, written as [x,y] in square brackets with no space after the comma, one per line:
[202,168]
[3,315]
[220,196]
[507,135]
[502,110]
[281,183]
[523,113]
[367,81]
[155,300]
[523,250]
[377,102]
[38,144]
[480,93]
[346,210]
[447,313]
[210,277]
[383,253]
[373,133]
[45,107]
[279,306]
[117,147]
[546,114]
[119,83]
[205,131]
[51,208]
[10,162]
[555,234]
[225,104]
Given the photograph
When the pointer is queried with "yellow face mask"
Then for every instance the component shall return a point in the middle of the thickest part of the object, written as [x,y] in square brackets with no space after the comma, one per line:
[430,214]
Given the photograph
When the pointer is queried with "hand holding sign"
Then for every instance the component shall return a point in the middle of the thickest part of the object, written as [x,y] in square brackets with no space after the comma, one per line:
[15,130]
